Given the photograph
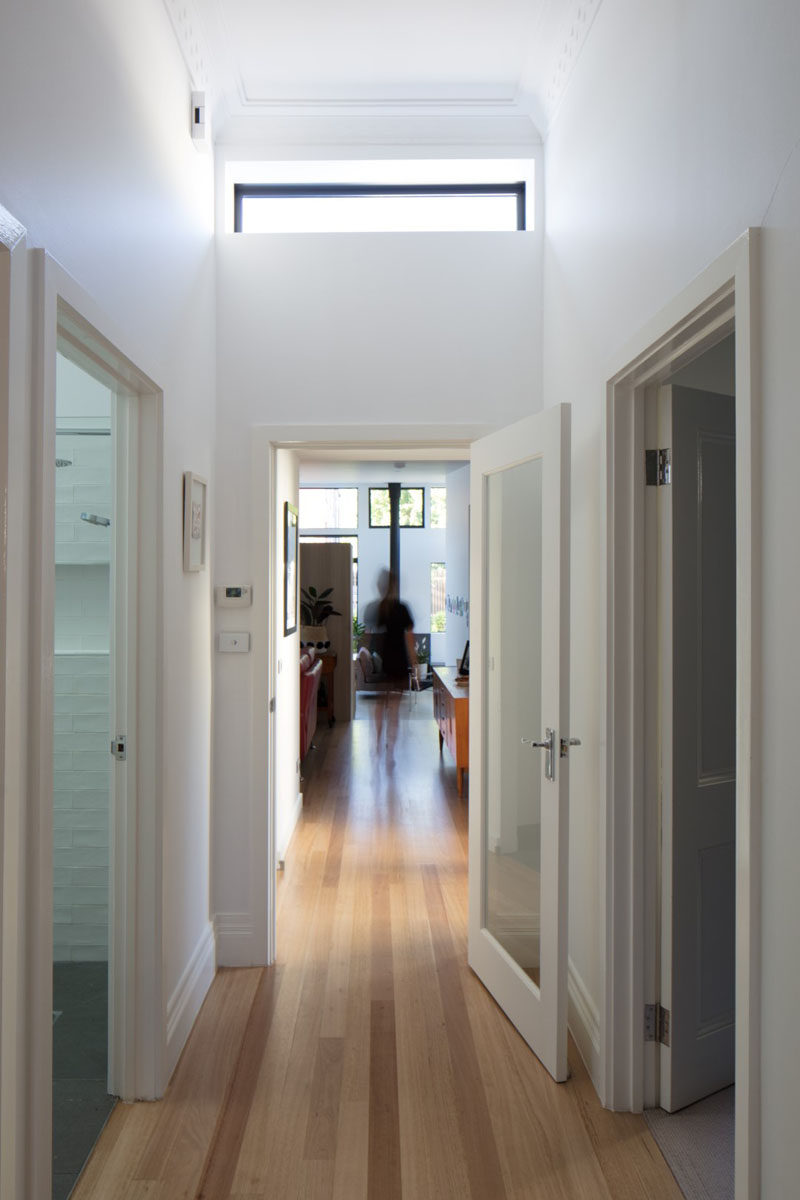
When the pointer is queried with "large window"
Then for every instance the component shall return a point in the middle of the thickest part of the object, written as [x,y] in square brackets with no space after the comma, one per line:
[438,508]
[328,508]
[378,207]
[412,508]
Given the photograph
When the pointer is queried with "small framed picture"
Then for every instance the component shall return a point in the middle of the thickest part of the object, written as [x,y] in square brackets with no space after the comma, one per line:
[290,569]
[194,522]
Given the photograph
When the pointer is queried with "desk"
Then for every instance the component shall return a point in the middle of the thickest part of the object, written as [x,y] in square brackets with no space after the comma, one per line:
[451,711]
[328,665]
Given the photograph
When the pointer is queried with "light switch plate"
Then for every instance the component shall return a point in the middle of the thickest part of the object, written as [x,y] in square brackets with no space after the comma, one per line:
[233,643]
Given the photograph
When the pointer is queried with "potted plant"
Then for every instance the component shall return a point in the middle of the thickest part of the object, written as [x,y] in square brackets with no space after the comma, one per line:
[315,608]
[359,629]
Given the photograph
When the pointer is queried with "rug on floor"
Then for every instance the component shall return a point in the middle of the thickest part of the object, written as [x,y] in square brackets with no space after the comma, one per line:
[697,1143]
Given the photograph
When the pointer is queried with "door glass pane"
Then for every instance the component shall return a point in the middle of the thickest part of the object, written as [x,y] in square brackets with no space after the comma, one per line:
[514,772]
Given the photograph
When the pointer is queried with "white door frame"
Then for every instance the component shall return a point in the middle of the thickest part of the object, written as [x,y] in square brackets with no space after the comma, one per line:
[63,316]
[334,442]
[719,299]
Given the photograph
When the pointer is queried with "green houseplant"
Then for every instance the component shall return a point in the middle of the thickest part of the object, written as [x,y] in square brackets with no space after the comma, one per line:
[315,608]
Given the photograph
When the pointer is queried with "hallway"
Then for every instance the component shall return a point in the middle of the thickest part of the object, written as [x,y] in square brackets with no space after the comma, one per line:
[369,1063]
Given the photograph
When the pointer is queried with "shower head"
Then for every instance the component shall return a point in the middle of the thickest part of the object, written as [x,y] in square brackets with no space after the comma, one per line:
[93,519]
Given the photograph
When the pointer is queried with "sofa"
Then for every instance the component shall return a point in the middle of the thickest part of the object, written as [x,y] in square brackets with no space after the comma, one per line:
[310,675]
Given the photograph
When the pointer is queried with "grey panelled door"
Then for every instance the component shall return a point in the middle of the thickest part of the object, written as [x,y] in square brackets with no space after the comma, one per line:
[700,823]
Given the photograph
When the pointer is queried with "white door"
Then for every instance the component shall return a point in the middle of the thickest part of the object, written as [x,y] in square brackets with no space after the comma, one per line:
[519,696]
[699,804]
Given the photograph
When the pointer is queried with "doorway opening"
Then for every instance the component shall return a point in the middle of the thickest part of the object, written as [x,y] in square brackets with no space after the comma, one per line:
[113,635]
[690,768]
[82,670]
[345,544]
[718,304]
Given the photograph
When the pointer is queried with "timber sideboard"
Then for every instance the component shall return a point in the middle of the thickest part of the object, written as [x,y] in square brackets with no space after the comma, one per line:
[451,711]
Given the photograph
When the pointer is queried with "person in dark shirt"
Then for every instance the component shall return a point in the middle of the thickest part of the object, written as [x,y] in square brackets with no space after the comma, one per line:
[392,627]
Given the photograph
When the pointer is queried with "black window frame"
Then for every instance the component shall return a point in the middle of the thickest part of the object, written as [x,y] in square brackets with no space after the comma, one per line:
[242,191]
[378,487]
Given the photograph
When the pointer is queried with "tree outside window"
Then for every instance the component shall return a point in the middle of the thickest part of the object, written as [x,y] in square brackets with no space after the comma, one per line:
[412,508]
[438,508]
[438,591]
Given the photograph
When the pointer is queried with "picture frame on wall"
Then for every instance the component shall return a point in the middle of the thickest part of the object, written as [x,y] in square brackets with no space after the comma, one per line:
[290,589]
[194,522]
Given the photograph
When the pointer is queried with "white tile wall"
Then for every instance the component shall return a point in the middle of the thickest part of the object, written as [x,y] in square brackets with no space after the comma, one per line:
[82,766]
[82,624]
[85,486]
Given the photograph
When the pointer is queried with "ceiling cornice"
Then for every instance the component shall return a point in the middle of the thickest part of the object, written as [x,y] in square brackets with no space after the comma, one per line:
[559,40]
[11,231]
[191,39]
[563,31]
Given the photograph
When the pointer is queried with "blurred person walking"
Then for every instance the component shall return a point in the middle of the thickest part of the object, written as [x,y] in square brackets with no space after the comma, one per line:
[391,624]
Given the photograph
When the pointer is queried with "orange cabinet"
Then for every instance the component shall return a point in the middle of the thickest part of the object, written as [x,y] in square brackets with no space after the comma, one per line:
[451,710]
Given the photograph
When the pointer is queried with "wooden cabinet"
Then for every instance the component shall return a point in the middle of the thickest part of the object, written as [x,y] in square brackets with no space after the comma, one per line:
[451,710]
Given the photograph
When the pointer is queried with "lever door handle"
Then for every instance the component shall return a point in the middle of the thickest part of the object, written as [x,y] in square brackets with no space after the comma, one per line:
[548,745]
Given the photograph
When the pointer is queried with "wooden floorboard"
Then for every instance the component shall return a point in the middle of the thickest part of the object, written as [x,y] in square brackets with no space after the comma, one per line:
[370,1063]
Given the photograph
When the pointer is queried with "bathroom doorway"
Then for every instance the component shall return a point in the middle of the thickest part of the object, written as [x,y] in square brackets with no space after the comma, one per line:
[82,669]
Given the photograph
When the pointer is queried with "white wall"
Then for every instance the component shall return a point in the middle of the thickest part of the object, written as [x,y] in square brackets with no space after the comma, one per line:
[351,330]
[679,129]
[98,164]
[457,556]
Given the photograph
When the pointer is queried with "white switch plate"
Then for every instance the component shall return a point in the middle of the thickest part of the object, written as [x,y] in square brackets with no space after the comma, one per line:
[233,643]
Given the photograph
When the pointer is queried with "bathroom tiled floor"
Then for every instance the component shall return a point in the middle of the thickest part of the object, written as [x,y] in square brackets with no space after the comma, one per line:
[81,1104]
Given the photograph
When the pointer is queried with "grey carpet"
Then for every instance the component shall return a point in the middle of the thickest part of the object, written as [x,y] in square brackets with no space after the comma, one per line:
[697,1143]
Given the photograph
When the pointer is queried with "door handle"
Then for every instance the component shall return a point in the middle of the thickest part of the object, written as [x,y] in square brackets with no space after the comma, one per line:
[566,743]
[549,746]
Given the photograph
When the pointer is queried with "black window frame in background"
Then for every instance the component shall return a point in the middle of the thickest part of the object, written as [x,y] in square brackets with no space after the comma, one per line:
[381,487]
[243,191]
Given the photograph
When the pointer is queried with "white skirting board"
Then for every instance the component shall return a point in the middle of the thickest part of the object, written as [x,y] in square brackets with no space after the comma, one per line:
[584,1023]
[236,941]
[185,1002]
[284,836]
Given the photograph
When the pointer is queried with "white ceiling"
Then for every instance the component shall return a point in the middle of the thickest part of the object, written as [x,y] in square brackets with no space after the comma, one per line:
[473,58]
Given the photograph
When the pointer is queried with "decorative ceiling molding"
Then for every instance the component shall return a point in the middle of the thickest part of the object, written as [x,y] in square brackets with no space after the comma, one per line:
[568,45]
[11,232]
[202,31]
[191,40]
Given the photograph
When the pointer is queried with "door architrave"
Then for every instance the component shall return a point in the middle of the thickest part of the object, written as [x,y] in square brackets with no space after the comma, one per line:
[722,298]
[63,316]
[333,442]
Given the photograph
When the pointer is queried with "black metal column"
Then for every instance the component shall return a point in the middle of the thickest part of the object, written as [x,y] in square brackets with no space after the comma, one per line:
[394,531]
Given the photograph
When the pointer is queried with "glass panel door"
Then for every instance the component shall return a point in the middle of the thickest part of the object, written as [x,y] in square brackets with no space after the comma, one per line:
[519,736]
[513,626]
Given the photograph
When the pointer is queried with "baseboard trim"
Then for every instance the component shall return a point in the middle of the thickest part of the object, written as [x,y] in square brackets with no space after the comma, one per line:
[584,1023]
[185,1002]
[284,836]
[235,933]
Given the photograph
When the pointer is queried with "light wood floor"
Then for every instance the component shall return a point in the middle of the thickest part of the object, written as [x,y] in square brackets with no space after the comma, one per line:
[370,1063]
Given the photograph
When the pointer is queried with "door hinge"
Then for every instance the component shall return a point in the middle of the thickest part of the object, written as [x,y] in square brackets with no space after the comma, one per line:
[658,467]
[656,1024]
[272,705]
[119,747]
